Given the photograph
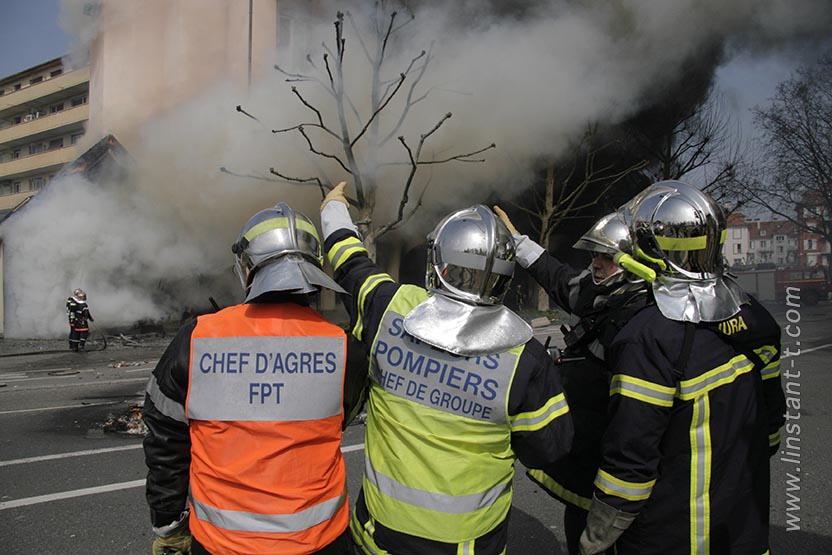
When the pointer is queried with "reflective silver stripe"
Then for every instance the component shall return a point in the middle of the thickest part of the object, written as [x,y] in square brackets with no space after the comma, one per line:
[766,352]
[531,421]
[342,252]
[700,439]
[709,380]
[465,548]
[432,501]
[771,371]
[269,523]
[264,378]
[165,404]
[636,388]
[632,491]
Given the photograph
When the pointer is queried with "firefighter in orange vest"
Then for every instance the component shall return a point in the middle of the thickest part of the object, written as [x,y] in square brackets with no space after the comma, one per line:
[246,407]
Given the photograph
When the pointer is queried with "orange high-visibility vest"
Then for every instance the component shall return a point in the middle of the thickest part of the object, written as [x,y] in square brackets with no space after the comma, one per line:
[265,406]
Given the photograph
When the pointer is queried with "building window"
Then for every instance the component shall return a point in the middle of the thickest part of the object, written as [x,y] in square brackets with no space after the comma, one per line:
[737,248]
[780,238]
[56,143]
[762,233]
[56,108]
[810,244]
[56,72]
[15,154]
[80,100]
[15,188]
[36,148]
[2,92]
[762,244]
[75,138]
[780,249]
[35,184]
[17,87]
[736,233]
[18,119]
[37,79]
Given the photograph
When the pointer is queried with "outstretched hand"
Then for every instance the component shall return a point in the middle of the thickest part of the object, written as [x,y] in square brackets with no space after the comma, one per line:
[505,219]
[336,194]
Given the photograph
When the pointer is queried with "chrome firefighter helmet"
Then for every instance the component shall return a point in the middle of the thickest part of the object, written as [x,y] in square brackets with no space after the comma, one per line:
[79,295]
[279,249]
[609,235]
[471,256]
[679,229]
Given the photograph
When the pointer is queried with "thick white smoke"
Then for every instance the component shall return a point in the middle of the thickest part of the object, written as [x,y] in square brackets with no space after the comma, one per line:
[529,83]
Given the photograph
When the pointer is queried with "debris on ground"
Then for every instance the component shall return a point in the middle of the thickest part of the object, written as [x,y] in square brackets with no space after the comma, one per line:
[122,363]
[130,423]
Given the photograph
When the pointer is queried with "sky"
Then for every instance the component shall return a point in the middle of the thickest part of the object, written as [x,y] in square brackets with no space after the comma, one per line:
[30,34]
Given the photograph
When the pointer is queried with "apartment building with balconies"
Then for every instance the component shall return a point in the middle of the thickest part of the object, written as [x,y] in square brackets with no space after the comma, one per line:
[43,116]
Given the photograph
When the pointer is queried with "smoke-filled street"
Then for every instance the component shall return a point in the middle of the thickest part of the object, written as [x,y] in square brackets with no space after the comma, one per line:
[72,486]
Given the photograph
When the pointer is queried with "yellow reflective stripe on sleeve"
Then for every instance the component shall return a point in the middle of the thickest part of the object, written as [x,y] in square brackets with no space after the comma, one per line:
[710,380]
[343,250]
[642,390]
[540,418]
[772,369]
[700,477]
[550,484]
[631,491]
[774,439]
[363,536]
[366,288]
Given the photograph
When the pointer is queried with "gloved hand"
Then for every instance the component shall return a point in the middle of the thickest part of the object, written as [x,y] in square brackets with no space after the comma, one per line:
[505,219]
[336,194]
[604,525]
[178,543]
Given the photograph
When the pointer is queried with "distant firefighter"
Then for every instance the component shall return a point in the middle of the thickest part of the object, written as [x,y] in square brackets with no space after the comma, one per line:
[79,317]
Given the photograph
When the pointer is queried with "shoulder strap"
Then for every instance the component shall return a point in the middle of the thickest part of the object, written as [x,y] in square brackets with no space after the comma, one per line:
[684,356]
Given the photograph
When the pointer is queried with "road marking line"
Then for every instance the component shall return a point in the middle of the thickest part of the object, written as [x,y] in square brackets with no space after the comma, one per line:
[83,383]
[103,489]
[140,369]
[69,494]
[804,351]
[61,407]
[70,454]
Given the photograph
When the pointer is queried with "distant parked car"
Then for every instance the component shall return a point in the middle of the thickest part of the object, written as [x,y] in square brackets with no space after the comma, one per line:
[810,285]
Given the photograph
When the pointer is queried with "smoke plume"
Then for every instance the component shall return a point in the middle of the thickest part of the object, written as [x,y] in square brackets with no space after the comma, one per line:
[528,78]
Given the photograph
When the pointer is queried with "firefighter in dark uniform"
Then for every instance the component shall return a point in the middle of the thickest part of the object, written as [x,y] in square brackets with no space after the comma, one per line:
[696,404]
[600,300]
[246,407]
[459,389]
[79,318]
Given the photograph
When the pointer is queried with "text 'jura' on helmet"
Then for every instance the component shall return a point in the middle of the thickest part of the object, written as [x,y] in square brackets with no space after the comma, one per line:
[471,256]
[279,249]
[678,229]
[79,295]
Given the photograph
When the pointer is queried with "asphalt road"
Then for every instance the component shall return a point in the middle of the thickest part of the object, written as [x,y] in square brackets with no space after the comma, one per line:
[68,487]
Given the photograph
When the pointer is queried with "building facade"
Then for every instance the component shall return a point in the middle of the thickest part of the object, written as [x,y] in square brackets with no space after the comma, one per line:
[43,116]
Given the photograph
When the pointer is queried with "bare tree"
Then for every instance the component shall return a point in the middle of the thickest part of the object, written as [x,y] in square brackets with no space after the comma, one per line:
[797,146]
[697,142]
[353,142]
[586,176]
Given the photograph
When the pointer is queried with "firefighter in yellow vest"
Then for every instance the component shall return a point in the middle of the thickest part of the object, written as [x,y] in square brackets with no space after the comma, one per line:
[459,389]
[696,404]
[245,410]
